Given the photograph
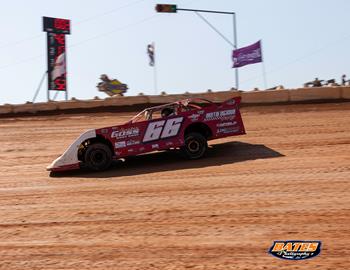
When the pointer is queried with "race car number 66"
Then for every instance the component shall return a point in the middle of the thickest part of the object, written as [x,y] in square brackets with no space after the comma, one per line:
[162,129]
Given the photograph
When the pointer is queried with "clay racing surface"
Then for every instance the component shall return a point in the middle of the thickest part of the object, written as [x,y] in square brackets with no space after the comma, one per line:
[288,179]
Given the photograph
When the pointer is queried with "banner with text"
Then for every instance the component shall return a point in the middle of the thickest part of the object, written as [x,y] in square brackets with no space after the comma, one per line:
[56,44]
[56,52]
[247,55]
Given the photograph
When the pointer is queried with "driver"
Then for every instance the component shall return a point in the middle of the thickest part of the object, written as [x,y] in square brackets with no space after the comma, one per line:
[166,112]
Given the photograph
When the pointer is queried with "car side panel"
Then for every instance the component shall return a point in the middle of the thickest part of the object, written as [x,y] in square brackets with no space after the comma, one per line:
[146,136]
[223,120]
[159,134]
[226,120]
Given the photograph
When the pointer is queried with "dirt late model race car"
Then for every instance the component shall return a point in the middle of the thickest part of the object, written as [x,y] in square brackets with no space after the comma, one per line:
[186,124]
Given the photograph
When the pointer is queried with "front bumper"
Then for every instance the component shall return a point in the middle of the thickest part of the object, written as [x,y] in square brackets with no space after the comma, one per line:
[62,168]
[69,159]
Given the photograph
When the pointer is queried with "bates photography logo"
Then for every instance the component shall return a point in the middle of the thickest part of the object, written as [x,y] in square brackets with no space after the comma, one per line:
[295,249]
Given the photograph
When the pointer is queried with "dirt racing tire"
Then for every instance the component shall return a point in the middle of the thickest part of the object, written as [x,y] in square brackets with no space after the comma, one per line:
[195,145]
[98,157]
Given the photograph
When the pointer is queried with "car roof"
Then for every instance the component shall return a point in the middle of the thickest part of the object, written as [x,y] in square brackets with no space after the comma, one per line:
[183,102]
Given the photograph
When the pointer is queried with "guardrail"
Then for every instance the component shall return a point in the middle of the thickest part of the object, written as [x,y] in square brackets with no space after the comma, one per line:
[322,94]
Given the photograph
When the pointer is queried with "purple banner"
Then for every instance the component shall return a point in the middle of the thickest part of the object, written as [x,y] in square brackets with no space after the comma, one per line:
[247,55]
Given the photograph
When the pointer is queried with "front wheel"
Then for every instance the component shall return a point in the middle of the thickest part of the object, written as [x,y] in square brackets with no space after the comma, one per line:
[195,145]
[98,157]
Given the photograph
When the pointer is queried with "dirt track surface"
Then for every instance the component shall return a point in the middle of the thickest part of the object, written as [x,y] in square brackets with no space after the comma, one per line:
[287,179]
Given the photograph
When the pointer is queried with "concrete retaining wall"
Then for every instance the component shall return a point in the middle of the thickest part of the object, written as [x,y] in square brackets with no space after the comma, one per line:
[345,92]
[125,101]
[220,96]
[6,109]
[321,93]
[34,108]
[167,98]
[255,97]
[79,104]
[213,96]
[274,96]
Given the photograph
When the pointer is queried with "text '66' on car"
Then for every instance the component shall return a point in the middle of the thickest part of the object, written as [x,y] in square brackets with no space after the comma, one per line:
[186,124]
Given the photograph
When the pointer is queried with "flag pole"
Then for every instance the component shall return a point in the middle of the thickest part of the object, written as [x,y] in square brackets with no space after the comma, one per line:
[154,70]
[263,66]
[155,79]
[235,46]
[264,74]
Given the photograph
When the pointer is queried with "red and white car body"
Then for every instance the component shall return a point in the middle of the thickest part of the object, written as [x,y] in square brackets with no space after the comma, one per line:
[190,125]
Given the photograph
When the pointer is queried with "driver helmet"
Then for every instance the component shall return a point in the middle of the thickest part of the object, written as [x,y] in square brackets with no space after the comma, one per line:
[167,112]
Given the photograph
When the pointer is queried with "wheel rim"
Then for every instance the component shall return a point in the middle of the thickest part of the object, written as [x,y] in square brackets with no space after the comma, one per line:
[98,157]
[193,146]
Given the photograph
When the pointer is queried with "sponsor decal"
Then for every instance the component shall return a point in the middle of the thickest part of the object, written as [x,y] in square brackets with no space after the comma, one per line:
[162,129]
[130,150]
[126,133]
[295,249]
[228,130]
[169,143]
[155,146]
[200,112]
[104,131]
[220,115]
[142,148]
[120,144]
[132,142]
[227,124]
[194,117]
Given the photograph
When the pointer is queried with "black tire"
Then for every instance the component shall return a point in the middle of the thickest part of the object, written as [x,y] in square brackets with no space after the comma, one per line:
[195,145]
[98,157]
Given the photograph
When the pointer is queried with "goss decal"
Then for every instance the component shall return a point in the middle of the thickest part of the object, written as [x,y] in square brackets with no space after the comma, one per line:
[120,144]
[126,133]
[227,124]
[221,115]
[295,250]
[162,129]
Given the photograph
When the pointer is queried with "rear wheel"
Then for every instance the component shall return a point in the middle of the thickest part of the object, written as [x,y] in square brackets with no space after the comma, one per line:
[195,145]
[98,157]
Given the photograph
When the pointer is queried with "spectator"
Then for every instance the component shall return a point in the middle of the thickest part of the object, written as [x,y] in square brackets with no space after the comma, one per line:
[317,83]
[343,79]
